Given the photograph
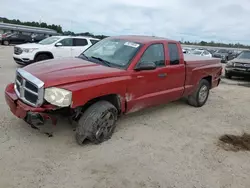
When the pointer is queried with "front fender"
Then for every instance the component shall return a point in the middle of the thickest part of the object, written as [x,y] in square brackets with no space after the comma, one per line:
[82,92]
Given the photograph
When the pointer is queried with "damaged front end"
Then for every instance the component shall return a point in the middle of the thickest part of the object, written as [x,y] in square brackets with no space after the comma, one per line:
[35,116]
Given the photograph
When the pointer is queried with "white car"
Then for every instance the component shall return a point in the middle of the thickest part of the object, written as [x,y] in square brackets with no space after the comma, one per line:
[52,48]
[202,53]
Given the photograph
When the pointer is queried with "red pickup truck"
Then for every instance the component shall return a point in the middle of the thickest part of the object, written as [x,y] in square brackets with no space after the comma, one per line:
[117,75]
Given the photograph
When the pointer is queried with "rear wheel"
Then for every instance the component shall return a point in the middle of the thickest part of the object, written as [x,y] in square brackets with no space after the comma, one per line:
[42,57]
[97,123]
[199,97]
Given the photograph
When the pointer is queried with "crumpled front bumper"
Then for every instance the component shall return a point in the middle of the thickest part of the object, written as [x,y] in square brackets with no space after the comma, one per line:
[28,113]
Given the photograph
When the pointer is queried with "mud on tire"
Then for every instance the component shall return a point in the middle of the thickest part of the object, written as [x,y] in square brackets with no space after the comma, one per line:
[97,123]
[194,98]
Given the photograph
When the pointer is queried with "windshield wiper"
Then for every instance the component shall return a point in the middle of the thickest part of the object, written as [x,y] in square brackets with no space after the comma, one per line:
[102,60]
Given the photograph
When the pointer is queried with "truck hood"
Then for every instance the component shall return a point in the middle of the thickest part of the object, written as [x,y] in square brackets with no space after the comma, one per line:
[70,70]
[240,60]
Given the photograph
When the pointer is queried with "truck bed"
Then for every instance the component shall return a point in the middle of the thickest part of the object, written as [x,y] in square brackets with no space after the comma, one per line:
[200,59]
[201,67]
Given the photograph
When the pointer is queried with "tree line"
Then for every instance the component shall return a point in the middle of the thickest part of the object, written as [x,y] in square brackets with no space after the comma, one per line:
[58,29]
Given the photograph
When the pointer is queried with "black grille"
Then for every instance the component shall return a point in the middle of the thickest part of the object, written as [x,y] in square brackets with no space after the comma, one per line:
[26,90]
[31,87]
[18,88]
[30,97]
[17,50]
[242,65]
[19,79]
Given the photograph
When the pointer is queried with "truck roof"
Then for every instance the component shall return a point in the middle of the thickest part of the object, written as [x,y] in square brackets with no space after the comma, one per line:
[142,39]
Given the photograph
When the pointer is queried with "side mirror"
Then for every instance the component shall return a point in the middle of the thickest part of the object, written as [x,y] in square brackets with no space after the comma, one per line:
[58,44]
[145,66]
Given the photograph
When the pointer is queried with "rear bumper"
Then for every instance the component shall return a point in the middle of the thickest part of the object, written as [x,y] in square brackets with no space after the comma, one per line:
[23,111]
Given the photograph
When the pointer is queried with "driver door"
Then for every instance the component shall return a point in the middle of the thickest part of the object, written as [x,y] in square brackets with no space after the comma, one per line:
[147,87]
[64,50]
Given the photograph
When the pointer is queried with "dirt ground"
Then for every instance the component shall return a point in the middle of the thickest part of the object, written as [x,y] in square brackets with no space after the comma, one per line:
[171,146]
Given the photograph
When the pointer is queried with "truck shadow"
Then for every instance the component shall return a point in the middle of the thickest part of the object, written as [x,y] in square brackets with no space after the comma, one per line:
[65,129]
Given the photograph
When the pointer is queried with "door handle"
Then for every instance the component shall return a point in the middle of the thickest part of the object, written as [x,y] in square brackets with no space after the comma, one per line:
[162,75]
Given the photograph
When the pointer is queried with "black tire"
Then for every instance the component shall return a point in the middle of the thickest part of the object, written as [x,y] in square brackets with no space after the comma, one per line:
[6,43]
[195,98]
[97,123]
[228,75]
[42,57]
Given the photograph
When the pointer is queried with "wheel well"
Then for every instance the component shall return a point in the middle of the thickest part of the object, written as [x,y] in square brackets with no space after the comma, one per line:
[209,79]
[46,53]
[112,98]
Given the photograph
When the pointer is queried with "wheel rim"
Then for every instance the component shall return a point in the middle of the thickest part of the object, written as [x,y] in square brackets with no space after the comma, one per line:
[203,93]
[105,127]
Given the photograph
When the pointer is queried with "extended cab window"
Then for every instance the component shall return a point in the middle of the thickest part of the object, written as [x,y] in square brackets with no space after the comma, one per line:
[173,54]
[67,42]
[154,53]
[80,42]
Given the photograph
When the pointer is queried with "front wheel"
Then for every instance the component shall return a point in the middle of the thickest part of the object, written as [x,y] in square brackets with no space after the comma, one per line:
[42,57]
[6,42]
[97,123]
[199,97]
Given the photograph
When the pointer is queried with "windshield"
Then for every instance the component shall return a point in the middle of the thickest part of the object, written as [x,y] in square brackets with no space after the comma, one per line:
[197,52]
[49,40]
[244,55]
[117,52]
[222,51]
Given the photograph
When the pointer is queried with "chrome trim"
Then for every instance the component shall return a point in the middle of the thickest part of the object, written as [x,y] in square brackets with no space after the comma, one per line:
[26,76]
[30,77]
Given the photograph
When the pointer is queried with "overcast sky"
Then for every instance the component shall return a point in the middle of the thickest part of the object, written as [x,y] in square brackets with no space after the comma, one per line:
[218,20]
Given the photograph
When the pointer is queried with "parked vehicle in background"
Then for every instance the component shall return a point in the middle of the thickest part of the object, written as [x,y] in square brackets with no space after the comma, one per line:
[103,83]
[16,38]
[184,51]
[240,66]
[38,37]
[211,51]
[51,48]
[202,53]
[224,54]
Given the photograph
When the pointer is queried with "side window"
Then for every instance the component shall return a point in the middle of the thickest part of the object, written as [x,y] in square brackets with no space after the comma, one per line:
[93,41]
[173,54]
[80,42]
[67,42]
[154,53]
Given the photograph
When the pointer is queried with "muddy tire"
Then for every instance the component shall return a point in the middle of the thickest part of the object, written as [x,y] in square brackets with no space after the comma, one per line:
[42,57]
[199,97]
[97,123]
[227,75]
